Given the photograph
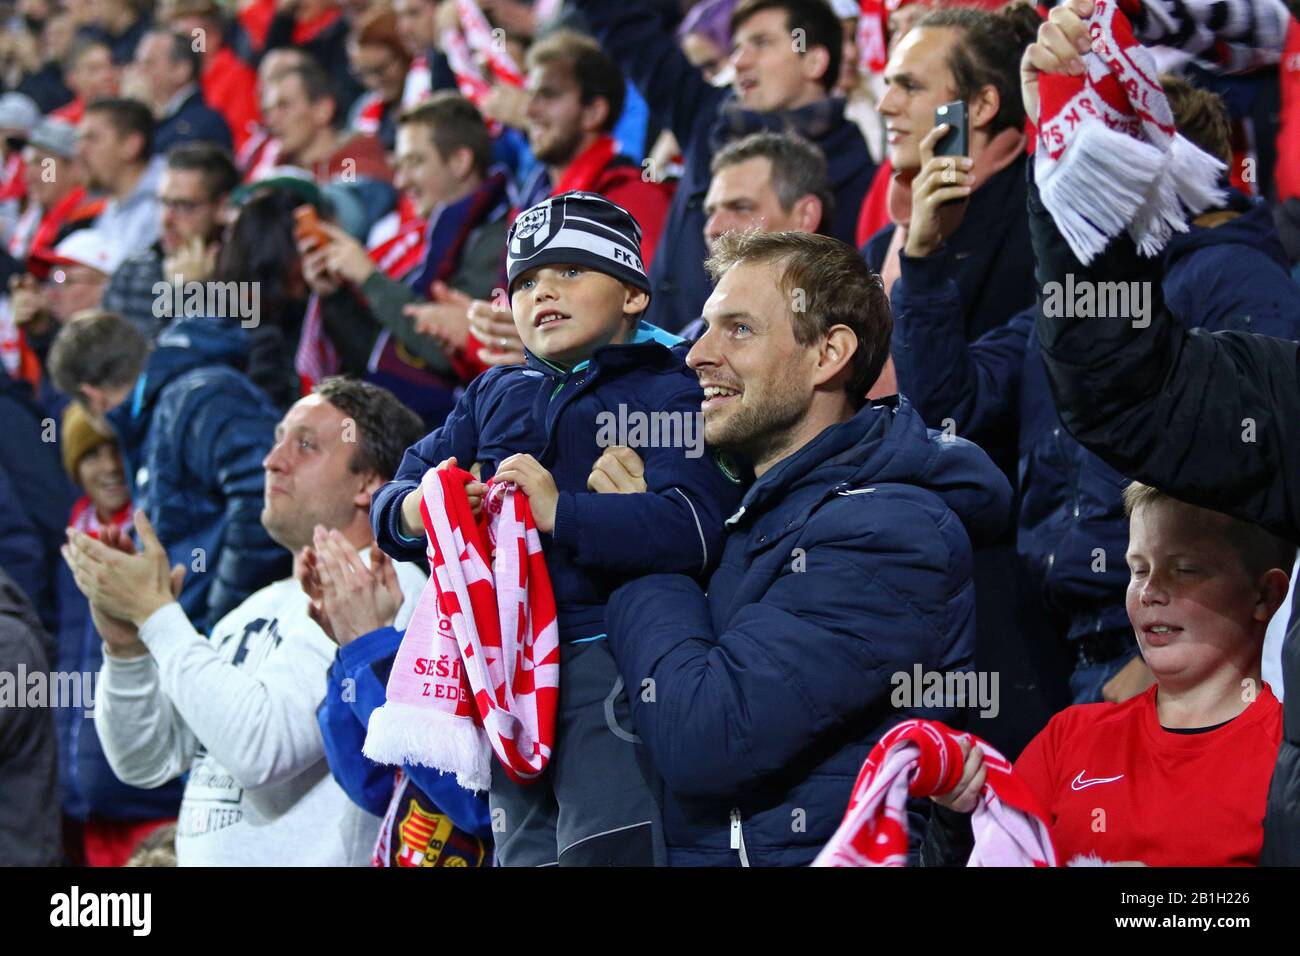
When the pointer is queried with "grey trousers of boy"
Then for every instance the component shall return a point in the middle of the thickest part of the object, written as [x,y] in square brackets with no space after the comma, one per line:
[595,805]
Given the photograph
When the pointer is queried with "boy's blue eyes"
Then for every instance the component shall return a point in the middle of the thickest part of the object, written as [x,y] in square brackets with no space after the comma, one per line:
[570,273]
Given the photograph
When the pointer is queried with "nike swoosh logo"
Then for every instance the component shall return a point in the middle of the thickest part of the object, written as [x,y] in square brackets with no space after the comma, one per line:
[1078,783]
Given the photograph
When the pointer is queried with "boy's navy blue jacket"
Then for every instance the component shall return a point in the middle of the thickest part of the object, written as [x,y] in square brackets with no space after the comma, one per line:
[1229,277]
[847,564]
[599,540]
[344,715]
[192,436]
[705,118]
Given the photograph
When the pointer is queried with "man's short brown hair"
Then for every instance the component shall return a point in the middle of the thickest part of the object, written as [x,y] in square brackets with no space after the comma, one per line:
[827,283]
[385,427]
[1201,116]
[798,168]
[820,26]
[595,73]
[1260,550]
[127,117]
[95,348]
[453,122]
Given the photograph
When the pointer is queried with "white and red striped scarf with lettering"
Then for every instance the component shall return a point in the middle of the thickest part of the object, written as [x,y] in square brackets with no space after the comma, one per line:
[478,669]
[921,758]
[1109,158]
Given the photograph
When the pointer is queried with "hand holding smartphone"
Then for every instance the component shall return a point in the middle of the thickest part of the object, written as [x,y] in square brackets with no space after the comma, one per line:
[307,228]
[955,142]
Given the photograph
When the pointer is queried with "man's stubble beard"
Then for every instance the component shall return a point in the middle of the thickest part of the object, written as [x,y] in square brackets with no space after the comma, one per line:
[294,528]
[759,430]
[562,152]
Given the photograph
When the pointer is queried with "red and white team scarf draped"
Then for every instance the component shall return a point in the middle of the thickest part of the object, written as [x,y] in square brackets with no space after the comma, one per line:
[479,667]
[475,37]
[921,758]
[419,82]
[85,518]
[369,114]
[1108,157]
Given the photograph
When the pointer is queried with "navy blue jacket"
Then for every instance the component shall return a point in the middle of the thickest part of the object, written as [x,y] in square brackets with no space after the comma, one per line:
[1072,530]
[193,435]
[35,497]
[599,540]
[344,715]
[988,256]
[195,121]
[848,562]
[704,118]
[987,262]
[88,784]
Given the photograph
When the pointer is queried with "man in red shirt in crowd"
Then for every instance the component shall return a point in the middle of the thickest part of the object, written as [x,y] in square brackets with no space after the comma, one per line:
[1178,775]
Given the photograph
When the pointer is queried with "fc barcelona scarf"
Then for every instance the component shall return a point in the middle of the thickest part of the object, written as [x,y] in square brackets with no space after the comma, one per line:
[478,669]
[1109,158]
[923,758]
[416,832]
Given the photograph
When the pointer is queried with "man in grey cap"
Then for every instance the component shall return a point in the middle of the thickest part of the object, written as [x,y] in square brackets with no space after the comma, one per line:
[57,204]
[56,193]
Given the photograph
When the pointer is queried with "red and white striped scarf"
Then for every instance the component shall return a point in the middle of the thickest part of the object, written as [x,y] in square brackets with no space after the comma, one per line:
[922,758]
[419,82]
[484,41]
[465,47]
[479,667]
[1109,158]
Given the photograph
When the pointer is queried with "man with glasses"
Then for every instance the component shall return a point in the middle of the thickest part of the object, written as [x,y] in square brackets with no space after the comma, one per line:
[379,61]
[191,195]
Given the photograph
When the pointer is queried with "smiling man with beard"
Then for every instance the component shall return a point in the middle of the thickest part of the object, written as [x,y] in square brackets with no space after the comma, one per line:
[575,97]
[848,560]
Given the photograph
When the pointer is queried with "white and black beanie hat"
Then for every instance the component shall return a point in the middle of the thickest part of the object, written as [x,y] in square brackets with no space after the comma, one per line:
[578,228]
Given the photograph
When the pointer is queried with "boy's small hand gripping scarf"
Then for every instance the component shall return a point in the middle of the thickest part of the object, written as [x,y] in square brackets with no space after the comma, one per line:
[478,669]
[1109,157]
[921,758]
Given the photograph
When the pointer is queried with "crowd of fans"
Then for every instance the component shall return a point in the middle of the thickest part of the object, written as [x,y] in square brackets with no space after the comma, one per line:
[266,263]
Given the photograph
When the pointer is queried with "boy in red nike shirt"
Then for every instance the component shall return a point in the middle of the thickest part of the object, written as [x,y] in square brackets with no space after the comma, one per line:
[1178,775]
